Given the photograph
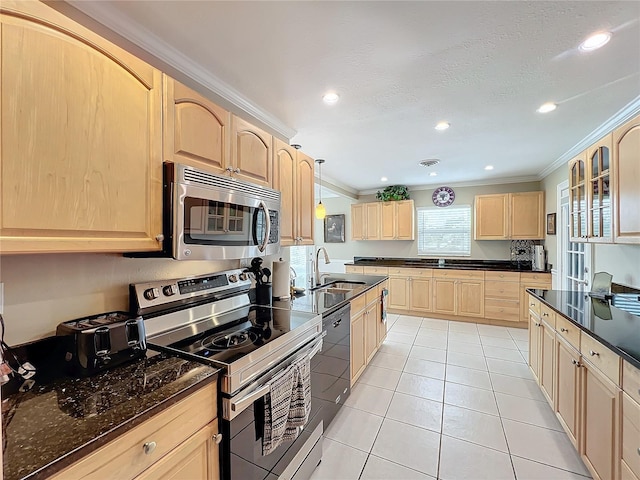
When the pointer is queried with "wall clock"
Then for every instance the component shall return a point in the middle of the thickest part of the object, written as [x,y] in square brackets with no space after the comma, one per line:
[443,196]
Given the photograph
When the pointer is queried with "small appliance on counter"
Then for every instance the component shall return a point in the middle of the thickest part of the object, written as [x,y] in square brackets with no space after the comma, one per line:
[539,259]
[96,343]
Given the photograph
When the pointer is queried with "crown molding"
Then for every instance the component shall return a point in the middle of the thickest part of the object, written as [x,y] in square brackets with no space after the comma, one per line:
[623,115]
[132,31]
[337,186]
[473,183]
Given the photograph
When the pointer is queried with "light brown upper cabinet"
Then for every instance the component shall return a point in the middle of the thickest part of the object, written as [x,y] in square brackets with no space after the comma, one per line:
[251,152]
[600,228]
[196,130]
[626,168]
[578,197]
[509,216]
[294,177]
[365,221]
[397,220]
[81,139]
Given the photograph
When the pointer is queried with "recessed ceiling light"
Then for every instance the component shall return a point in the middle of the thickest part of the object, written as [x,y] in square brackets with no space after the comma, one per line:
[489,167]
[384,179]
[443,125]
[547,107]
[595,41]
[330,98]
[433,174]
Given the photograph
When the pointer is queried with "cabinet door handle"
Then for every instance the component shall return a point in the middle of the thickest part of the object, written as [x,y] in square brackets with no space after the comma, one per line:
[545,314]
[160,237]
[594,354]
[217,438]
[576,362]
[237,170]
[149,447]
[563,330]
[532,304]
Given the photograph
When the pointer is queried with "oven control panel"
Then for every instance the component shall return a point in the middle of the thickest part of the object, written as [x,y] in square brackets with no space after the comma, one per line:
[163,292]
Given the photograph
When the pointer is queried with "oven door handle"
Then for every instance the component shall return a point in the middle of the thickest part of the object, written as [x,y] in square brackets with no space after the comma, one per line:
[268,226]
[238,406]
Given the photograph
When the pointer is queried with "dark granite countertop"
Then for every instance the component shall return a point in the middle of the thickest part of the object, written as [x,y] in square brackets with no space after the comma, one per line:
[322,302]
[462,264]
[60,420]
[614,323]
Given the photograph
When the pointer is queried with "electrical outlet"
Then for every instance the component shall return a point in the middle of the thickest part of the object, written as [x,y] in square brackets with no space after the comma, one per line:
[1,298]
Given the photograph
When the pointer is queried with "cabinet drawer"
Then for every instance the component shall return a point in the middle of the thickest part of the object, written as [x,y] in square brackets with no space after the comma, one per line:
[568,331]
[462,274]
[502,276]
[631,434]
[601,357]
[371,295]
[376,271]
[357,304]
[631,380]
[548,315]
[534,304]
[401,271]
[507,290]
[125,456]
[502,309]
[535,277]
[354,269]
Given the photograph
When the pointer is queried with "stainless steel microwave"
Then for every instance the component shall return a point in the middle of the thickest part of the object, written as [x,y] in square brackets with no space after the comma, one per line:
[214,217]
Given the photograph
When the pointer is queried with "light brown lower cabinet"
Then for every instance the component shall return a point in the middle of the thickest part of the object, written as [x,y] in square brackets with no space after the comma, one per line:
[547,358]
[459,296]
[196,458]
[368,330]
[534,344]
[630,450]
[567,391]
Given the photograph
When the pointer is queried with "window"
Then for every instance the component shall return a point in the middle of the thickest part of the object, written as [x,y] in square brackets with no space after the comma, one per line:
[444,231]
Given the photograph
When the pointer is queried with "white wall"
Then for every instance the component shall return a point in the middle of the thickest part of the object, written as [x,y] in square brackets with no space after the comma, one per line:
[486,250]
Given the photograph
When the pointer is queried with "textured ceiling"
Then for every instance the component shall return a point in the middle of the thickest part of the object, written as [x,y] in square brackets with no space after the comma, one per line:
[401,67]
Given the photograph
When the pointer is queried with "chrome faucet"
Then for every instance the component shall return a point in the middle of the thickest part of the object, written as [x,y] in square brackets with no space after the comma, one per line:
[316,265]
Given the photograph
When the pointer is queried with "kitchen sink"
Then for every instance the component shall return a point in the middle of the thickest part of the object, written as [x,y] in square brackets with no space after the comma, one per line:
[339,286]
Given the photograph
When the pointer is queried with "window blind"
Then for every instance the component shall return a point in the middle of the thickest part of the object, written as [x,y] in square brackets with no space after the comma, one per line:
[444,231]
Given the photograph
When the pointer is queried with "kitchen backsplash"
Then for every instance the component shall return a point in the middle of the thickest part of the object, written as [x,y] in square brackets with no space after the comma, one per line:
[522,250]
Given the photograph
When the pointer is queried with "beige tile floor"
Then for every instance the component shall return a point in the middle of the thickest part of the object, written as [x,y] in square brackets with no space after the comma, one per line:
[448,400]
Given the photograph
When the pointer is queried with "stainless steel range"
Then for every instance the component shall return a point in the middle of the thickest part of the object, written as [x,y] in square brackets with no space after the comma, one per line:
[209,318]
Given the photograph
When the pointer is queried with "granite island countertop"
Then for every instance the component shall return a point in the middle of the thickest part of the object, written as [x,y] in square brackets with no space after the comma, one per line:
[60,420]
[615,323]
[458,264]
[322,302]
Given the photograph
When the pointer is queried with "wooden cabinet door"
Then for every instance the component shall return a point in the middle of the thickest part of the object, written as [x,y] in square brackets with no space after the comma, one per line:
[630,448]
[358,358]
[251,152]
[490,217]
[285,180]
[567,389]
[372,221]
[382,325]
[357,221]
[81,139]
[305,179]
[371,331]
[526,216]
[195,130]
[388,224]
[420,294]
[470,298]
[578,198]
[534,344]
[399,293]
[626,167]
[444,296]
[600,423]
[196,458]
[405,220]
[599,217]
[547,361]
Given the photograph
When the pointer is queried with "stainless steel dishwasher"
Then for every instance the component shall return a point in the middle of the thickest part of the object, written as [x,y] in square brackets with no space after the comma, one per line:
[330,368]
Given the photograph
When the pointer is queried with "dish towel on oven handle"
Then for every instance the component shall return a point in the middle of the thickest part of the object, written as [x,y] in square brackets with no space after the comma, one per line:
[287,405]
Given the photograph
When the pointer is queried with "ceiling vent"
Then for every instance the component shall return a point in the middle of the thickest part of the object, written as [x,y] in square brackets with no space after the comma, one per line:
[429,163]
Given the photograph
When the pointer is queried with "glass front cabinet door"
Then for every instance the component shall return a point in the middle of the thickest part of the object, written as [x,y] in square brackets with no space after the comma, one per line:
[578,198]
[599,191]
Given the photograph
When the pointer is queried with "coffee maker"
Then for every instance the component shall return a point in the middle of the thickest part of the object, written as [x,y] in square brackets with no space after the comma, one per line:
[539,258]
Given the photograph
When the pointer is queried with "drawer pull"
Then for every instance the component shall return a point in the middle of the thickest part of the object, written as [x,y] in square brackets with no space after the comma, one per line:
[149,447]
[532,304]
[594,354]
[562,329]
[545,314]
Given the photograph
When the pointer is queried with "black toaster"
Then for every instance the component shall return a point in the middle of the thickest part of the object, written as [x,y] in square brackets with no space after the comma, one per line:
[99,342]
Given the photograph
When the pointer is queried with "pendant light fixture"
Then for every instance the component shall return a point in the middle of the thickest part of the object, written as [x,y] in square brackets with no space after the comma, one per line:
[320,210]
